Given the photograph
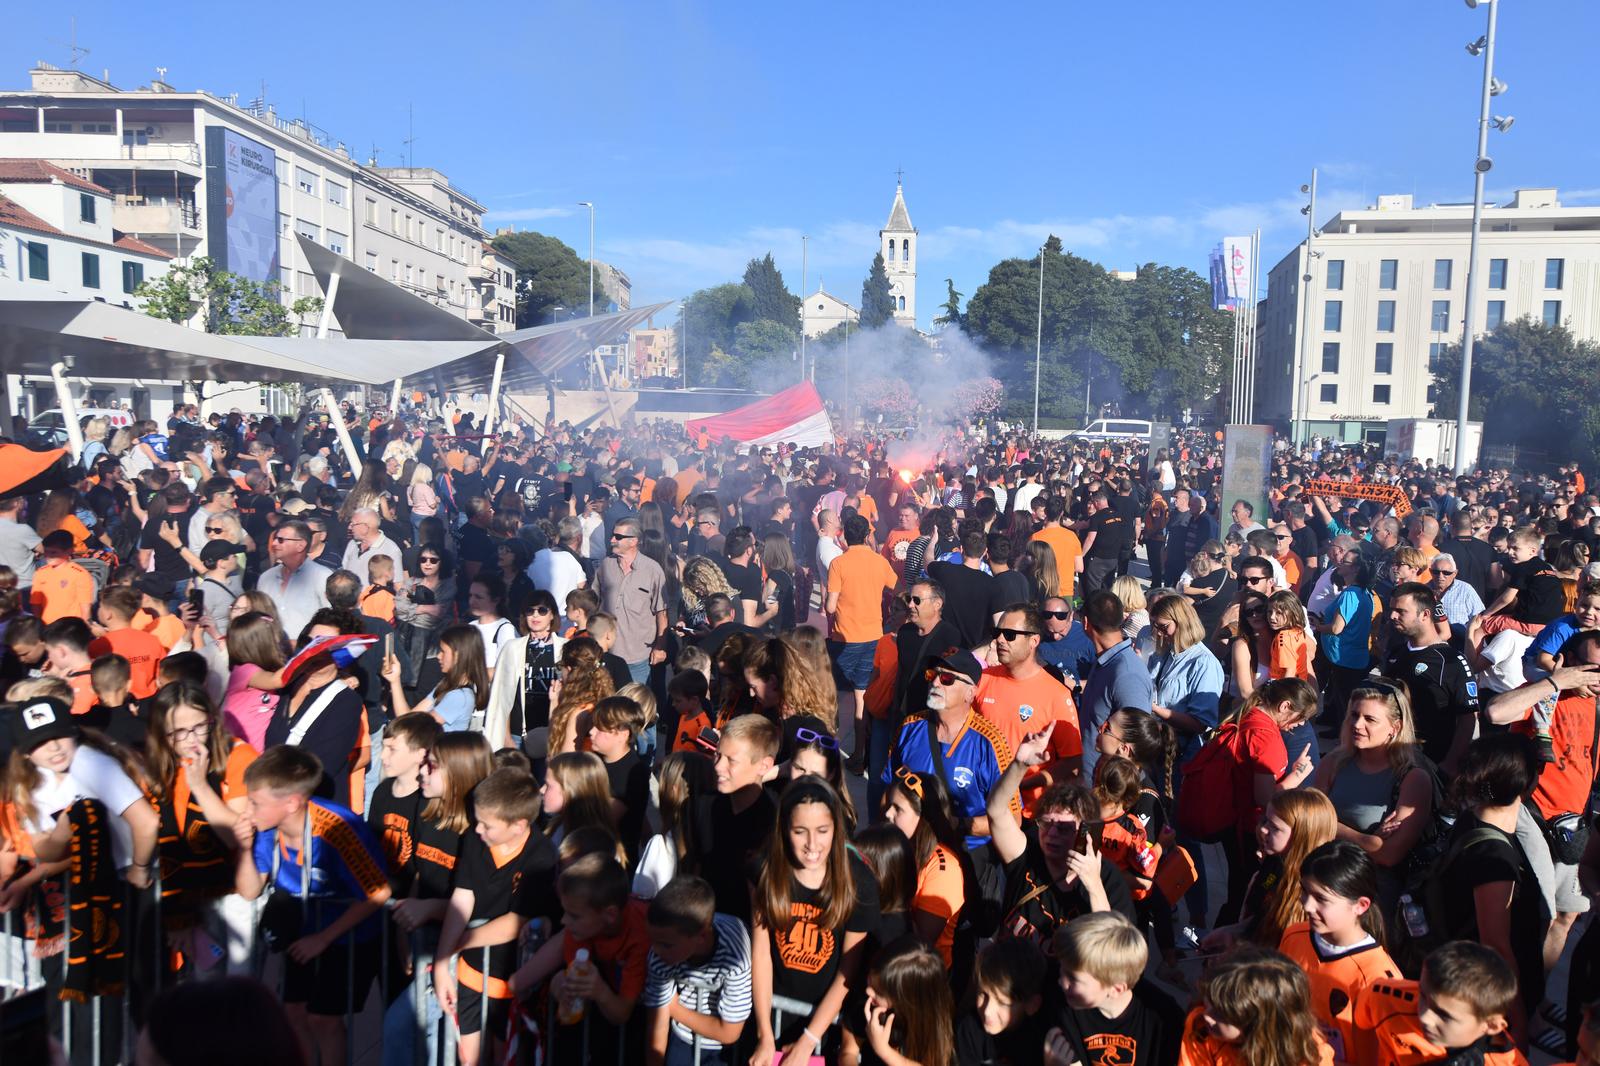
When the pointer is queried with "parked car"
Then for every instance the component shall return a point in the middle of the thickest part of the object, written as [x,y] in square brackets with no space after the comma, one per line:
[51,426]
[1102,429]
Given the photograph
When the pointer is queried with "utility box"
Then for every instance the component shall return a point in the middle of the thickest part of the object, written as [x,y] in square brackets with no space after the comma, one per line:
[1431,438]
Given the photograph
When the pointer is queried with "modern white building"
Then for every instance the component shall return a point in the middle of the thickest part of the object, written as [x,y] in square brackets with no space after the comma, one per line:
[825,311]
[898,243]
[1387,291]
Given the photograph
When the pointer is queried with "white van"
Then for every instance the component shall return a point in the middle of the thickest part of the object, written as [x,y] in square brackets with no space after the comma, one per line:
[1114,429]
[51,425]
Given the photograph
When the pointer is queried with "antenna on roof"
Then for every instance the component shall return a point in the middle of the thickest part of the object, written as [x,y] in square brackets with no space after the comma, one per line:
[376,151]
[77,51]
[161,73]
[410,135]
[259,104]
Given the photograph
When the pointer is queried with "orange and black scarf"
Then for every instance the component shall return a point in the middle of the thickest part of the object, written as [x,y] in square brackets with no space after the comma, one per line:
[196,867]
[96,962]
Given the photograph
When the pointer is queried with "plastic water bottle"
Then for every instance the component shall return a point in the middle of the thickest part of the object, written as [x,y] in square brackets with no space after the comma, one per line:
[571,1012]
[1415,917]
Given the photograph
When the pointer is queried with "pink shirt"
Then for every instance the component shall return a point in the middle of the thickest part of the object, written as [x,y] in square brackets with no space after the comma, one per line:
[247,711]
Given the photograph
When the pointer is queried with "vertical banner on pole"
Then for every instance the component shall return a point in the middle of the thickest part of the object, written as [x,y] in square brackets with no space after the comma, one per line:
[1246,467]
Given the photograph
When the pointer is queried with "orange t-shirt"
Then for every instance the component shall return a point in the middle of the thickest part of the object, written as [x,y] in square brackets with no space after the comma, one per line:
[1293,569]
[885,665]
[619,957]
[62,589]
[1337,983]
[83,697]
[1564,782]
[1018,708]
[143,651]
[1291,654]
[688,480]
[168,629]
[859,577]
[1200,1048]
[378,603]
[895,546]
[1065,543]
[689,730]
[941,891]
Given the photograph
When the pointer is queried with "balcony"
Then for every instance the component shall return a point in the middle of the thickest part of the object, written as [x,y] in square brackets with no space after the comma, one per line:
[142,215]
[98,148]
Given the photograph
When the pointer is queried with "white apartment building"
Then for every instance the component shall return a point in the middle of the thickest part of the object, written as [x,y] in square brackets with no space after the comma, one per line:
[1388,291]
[196,174]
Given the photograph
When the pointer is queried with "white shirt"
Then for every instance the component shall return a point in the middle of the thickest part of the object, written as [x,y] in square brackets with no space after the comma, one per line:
[557,572]
[594,544]
[828,549]
[496,635]
[1025,493]
[1323,593]
[356,560]
[300,597]
[92,775]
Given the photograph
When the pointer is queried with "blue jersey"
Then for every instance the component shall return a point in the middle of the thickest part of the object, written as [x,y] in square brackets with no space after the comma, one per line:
[344,861]
[973,763]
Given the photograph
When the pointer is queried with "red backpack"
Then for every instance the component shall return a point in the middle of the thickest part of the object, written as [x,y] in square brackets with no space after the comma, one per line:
[1207,800]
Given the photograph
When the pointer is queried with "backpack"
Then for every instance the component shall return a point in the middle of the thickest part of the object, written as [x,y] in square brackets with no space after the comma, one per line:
[1415,944]
[1206,802]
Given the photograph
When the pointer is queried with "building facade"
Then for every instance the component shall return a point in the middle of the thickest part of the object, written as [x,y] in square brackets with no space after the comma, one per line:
[824,311]
[617,286]
[898,243]
[1387,292]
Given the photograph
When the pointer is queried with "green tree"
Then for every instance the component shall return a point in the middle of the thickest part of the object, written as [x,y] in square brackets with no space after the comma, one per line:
[706,323]
[1532,386]
[228,303]
[877,306]
[951,308]
[770,298]
[549,275]
[1177,344]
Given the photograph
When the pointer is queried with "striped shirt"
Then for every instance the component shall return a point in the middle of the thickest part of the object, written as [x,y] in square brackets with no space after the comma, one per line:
[717,988]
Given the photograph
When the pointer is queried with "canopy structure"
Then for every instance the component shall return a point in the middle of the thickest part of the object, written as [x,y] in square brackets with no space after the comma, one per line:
[793,416]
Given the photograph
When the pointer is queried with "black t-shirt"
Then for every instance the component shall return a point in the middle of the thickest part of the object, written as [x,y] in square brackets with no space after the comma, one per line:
[523,884]
[726,841]
[783,590]
[433,858]
[1304,543]
[970,600]
[1442,688]
[617,667]
[167,561]
[1473,559]
[532,709]
[1112,533]
[630,785]
[122,724]
[1146,1034]
[1013,586]
[1038,918]
[806,956]
[1541,596]
[746,582]
[1019,1046]
[1500,859]
[1211,610]
[477,545]
[391,820]
[467,486]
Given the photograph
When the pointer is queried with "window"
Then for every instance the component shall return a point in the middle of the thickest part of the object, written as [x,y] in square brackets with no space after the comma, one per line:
[305,181]
[1380,394]
[1497,273]
[1552,312]
[1336,274]
[372,262]
[1496,315]
[1554,270]
[85,207]
[371,215]
[1330,393]
[902,303]
[335,193]
[905,250]
[283,171]
[1332,316]
[394,270]
[307,285]
[1389,274]
[1385,316]
[394,221]
[91,270]
[38,261]
[1441,273]
[336,242]
[1441,316]
[1433,393]
[408,273]
[408,230]
[283,224]
[891,249]
[438,239]
[58,127]
[1330,357]
[1433,356]
[310,231]
[132,276]
[1383,358]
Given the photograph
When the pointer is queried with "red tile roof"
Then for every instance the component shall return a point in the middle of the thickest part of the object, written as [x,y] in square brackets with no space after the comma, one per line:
[16,216]
[37,170]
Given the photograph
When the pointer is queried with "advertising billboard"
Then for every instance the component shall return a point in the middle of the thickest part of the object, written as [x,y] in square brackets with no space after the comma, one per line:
[1246,469]
[242,204]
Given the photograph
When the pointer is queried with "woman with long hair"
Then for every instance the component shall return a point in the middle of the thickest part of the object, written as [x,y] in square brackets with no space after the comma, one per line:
[1345,630]
[919,806]
[1254,1009]
[729,688]
[255,676]
[702,578]
[1210,588]
[1040,565]
[425,603]
[686,776]
[576,793]
[1379,783]
[460,698]
[1249,651]
[1136,615]
[1186,678]
[810,885]
[584,681]
[777,612]
[513,557]
[59,512]
[654,545]
[521,694]
[1295,824]
[909,1012]
[422,498]
[785,684]
[806,750]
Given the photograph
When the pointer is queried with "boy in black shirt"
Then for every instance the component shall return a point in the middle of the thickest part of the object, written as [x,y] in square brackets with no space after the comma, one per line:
[1008,1025]
[1111,1016]
[603,628]
[506,876]
[735,824]
[397,801]
[613,731]
[115,714]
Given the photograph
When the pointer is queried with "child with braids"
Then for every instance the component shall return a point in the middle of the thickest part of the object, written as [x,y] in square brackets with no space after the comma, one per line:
[1152,744]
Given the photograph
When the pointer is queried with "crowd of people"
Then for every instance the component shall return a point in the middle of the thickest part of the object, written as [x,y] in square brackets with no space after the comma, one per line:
[582,745]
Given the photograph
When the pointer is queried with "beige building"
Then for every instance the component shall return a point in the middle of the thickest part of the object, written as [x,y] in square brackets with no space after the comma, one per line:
[1388,291]
[653,353]
[822,311]
[617,286]
[898,243]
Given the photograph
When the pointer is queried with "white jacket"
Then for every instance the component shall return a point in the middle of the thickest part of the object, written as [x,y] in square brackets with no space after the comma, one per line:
[503,692]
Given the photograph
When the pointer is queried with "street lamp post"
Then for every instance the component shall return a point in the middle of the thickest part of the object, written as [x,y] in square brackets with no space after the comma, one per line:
[1038,344]
[1480,168]
[804,292]
[1300,398]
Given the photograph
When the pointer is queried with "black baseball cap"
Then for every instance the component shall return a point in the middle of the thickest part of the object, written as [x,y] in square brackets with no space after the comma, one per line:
[215,550]
[962,662]
[41,720]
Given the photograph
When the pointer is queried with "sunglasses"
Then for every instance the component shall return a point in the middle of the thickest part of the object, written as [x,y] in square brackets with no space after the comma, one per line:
[811,736]
[910,779]
[623,536]
[1444,573]
[1256,580]
[1218,556]
[947,677]
[1009,635]
[1059,616]
[539,609]
[428,559]
[915,601]
[1284,536]
[289,540]
[215,529]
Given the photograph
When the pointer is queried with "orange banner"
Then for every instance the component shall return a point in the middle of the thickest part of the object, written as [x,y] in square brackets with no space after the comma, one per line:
[1392,495]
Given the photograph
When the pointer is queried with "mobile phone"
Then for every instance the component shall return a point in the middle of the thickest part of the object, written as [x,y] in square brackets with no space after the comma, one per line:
[197,599]
[709,738]
[25,1028]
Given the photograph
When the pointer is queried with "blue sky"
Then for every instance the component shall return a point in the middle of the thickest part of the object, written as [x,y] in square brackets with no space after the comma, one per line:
[710,132]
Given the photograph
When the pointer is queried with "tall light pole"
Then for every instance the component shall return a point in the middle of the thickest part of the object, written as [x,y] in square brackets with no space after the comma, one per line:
[683,309]
[590,206]
[1302,355]
[1480,168]
[805,286]
[1038,344]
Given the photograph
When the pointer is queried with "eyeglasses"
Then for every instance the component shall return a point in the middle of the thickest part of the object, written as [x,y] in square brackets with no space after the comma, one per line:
[1009,635]
[1218,556]
[811,736]
[910,779]
[194,732]
[281,539]
[1059,616]
[1284,536]
[1444,573]
[947,677]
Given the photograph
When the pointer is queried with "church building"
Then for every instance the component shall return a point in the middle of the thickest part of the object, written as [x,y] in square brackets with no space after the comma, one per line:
[897,241]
